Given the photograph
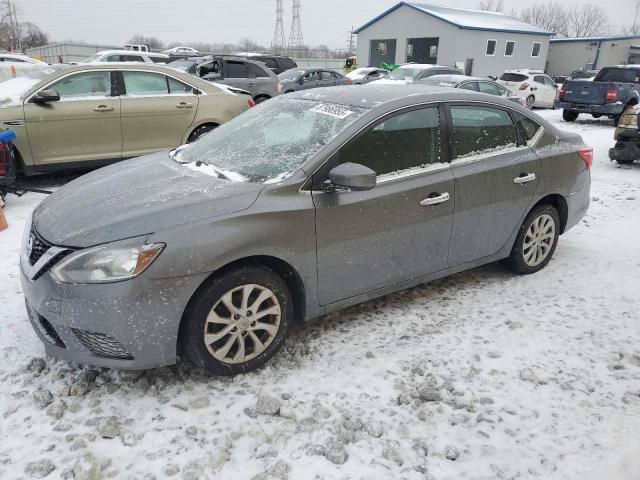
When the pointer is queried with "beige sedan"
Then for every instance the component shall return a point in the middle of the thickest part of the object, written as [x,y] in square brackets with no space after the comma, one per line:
[90,115]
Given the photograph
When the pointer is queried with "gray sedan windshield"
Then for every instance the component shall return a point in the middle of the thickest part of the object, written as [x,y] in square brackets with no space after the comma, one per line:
[271,140]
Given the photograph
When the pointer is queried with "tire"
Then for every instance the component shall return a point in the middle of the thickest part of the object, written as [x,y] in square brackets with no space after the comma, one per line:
[596,115]
[261,98]
[524,259]
[625,162]
[288,91]
[232,332]
[530,101]
[200,131]
[569,116]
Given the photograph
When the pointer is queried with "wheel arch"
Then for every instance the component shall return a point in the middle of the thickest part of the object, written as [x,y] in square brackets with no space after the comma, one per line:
[195,126]
[283,269]
[558,202]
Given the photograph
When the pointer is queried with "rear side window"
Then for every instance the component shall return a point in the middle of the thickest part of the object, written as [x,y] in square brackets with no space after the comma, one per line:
[539,79]
[236,70]
[256,71]
[158,59]
[490,88]
[513,77]
[145,83]
[622,75]
[480,130]
[473,86]
[326,76]
[403,142]
[176,86]
[287,63]
[269,62]
[528,127]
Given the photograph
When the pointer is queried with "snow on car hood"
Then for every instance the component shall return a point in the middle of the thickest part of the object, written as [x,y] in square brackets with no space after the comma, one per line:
[136,197]
[11,90]
[386,81]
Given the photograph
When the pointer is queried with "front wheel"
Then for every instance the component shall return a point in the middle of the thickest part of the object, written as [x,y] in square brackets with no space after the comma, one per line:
[569,116]
[238,321]
[536,240]
[200,132]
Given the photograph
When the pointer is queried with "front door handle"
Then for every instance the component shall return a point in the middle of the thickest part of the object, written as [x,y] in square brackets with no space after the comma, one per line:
[435,199]
[184,105]
[103,108]
[524,178]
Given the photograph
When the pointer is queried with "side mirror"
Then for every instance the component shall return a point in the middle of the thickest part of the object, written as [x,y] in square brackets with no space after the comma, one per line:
[353,176]
[46,96]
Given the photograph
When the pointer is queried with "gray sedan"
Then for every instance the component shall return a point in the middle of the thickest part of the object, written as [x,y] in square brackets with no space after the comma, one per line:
[362,76]
[475,84]
[305,78]
[299,207]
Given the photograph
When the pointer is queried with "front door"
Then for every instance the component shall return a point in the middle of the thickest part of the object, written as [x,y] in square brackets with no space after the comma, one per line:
[84,125]
[400,229]
[496,176]
[310,80]
[157,111]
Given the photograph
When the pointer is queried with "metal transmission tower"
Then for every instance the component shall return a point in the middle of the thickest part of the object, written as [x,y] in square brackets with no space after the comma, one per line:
[279,42]
[296,40]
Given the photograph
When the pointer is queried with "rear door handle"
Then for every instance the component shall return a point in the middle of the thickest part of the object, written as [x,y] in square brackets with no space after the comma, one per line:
[435,199]
[524,178]
[184,105]
[103,108]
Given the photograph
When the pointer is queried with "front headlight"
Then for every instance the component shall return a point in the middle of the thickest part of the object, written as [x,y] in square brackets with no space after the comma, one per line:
[106,264]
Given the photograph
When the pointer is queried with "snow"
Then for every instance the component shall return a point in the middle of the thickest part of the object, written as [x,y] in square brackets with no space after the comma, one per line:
[11,90]
[539,376]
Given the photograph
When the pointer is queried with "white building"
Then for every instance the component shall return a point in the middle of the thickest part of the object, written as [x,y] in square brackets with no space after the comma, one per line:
[591,53]
[482,43]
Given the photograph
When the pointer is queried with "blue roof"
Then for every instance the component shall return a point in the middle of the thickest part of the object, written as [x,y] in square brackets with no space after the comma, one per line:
[467,19]
[594,39]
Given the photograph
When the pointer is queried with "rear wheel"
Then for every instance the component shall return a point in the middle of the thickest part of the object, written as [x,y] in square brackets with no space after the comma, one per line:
[624,162]
[200,131]
[569,116]
[531,100]
[596,115]
[261,98]
[238,321]
[536,241]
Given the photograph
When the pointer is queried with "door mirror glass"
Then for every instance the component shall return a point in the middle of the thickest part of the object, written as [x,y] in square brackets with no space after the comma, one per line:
[46,96]
[354,176]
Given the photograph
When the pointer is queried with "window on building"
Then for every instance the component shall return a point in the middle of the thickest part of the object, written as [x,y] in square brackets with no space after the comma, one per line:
[535,51]
[509,48]
[491,47]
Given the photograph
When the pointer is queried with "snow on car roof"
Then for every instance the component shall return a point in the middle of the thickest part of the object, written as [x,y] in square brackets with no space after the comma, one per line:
[467,19]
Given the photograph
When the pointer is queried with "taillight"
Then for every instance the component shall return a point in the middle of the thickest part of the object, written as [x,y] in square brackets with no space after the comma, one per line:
[586,154]
[563,90]
[251,103]
[612,95]
[349,81]
[4,160]
[524,86]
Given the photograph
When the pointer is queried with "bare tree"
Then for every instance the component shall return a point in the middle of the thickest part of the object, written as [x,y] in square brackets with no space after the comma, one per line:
[248,45]
[492,5]
[551,16]
[634,29]
[587,20]
[32,35]
[152,42]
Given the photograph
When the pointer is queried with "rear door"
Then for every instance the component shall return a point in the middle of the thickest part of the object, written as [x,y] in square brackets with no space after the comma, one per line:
[261,81]
[237,74]
[326,79]
[396,231]
[157,111]
[496,175]
[84,125]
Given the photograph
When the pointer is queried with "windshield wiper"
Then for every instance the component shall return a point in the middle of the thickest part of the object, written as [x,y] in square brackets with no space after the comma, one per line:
[215,169]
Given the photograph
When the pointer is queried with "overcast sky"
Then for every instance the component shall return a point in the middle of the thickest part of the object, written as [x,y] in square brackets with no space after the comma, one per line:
[220,21]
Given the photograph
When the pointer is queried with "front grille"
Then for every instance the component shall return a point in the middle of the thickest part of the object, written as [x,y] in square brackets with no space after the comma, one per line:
[38,247]
[102,345]
[45,328]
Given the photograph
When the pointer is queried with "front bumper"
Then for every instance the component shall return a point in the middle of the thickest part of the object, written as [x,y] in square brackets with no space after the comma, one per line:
[603,109]
[128,325]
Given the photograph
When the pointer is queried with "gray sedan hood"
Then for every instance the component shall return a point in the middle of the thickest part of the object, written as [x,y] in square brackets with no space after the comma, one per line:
[136,197]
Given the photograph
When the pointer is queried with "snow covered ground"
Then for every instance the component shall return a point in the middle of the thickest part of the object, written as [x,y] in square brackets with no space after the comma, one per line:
[484,375]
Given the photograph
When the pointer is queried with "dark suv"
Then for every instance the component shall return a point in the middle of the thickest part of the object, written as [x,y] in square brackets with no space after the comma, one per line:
[277,63]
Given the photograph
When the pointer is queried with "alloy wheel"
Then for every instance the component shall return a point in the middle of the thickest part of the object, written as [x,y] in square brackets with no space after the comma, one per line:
[538,240]
[242,324]
[530,101]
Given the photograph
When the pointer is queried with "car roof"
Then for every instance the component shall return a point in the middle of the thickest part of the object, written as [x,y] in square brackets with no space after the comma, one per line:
[455,78]
[130,52]
[525,70]
[372,95]
[423,66]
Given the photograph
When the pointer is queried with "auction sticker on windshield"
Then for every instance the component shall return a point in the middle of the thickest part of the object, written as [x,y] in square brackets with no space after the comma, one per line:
[335,111]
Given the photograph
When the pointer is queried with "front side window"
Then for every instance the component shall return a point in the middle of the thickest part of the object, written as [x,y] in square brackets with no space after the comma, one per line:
[145,83]
[509,48]
[270,141]
[481,130]
[401,143]
[473,86]
[491,47]
[535,51]
[490,88]
[311,77]
[85,84]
